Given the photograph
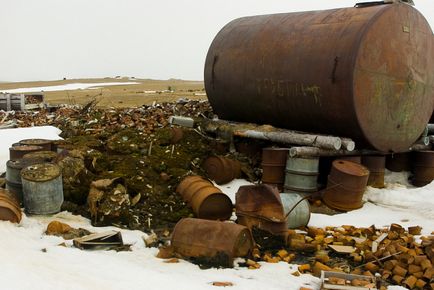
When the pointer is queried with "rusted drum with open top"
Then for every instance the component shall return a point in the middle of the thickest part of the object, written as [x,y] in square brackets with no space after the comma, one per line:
[362,72]
[42,188]
[346,184]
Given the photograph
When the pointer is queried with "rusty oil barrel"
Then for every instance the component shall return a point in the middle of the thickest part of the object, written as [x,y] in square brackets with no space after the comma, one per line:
[9,207]
[44,143]
[399,162]
[273,166]
[42,156]
[376,165]
[206,200]
[221,169]
[13,176]
[362,72]
[301,175]
[42,188]
[346,184]
[197,238]
[17,152]
[423,168]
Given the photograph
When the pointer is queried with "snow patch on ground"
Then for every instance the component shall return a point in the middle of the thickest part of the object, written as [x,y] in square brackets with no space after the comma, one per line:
[10,136]
[67,87]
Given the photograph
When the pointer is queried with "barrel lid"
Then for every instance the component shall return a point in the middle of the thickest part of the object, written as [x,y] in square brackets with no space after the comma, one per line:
[41,172]
[42,155]
[35,141]
[26,148]
[21,163]
[350,168]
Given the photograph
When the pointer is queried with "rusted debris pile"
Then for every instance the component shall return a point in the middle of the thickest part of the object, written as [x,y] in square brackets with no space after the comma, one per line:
[396,254]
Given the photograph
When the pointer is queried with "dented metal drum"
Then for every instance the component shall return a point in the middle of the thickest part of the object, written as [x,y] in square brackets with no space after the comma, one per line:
[423,168]
[9,208]
[376,165]
[360,72]
[301,175]
[196,238]
[346,184]
[298,210]
[42,188]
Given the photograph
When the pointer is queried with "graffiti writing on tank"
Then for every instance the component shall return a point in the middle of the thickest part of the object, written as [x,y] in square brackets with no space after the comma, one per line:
[285,88]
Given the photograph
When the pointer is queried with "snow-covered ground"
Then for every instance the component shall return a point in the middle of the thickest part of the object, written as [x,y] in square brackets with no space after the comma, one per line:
[67,87]
[33,260]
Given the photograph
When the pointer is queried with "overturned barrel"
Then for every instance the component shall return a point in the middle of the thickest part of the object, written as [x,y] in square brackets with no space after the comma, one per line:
[211,240]
[221,169]
[42,188]
[206,200]
[362,72]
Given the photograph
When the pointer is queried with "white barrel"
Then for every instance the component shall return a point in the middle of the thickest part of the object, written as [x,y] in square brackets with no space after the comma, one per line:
[300,214]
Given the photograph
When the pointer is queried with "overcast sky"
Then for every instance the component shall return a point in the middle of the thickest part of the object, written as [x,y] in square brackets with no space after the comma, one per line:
[161,39]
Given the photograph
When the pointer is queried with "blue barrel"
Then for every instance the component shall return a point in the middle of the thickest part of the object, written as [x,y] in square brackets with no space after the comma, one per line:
[42,188]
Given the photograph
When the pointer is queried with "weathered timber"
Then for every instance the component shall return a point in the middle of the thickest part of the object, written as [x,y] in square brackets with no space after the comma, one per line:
[225,129]
[313,151]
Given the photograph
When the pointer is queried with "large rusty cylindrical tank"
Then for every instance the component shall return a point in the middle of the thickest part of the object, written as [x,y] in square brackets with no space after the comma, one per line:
[361,72]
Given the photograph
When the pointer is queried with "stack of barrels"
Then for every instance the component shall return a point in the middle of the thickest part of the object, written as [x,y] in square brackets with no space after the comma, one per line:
[32,177]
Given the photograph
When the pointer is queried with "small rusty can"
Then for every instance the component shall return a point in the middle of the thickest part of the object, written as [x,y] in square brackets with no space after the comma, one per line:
[423,168]
[398,162]
[206,200]
[222,170]
[346,184]
[42,156]
[273,166]
[222,241]
[376,165]
[17,152]
[42,188]
[44,143]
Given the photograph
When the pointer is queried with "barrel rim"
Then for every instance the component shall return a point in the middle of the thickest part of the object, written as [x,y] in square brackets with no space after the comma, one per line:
[57,172]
